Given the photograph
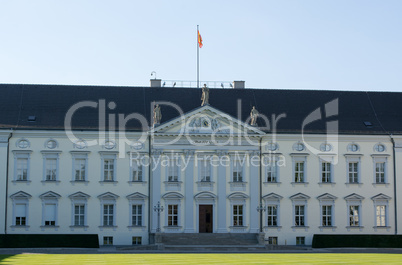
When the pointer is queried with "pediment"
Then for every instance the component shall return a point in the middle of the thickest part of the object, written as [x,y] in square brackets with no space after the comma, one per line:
[272,197]
[206,120]
[79,195]
[299,196]
[20,195]
[137,196]
[381,197]
[172,195]
[108,196]
[354,196]
[50,195]
[205,195]
[238,195]
[327,196]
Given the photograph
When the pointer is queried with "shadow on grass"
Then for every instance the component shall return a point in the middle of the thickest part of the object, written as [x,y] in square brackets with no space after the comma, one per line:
[3,257]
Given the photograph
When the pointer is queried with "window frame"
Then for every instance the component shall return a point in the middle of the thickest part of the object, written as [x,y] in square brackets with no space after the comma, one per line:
[300,159]
[75,156]
[380,159]
[47,157]
[349,160]
[108,198]
[20,198]
[353,200]
[108,156]
[18,154]
[50,198]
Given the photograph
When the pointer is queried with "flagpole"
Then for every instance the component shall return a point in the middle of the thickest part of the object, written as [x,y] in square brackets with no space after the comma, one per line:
[198,61]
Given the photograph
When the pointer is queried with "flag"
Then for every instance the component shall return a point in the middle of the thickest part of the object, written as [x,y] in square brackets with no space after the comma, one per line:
[199,40]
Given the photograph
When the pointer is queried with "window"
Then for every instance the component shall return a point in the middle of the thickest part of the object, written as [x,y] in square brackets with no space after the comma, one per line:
[80,169]
[136,215]
[50,209]
[237,171]
[136,170]
[353,172]
[380,215]
[299,215]
[299,171]
[298,146]
[325,147]
[108,215]
[381,210]
[379,147]
[137,240]
[50,165]
[272,212]
[354,215]
[107,240]
[326,170]
[50,214]
[21,165]
[237,215]
[326,215]
[173,170]
[380,172]
[108,166]
[22,169]
[353,147]
[273,240]
[20,214]
[354,208]
[300,240]
[205,170]
[271,170]
[108,169]
[173,214]
[79,215]
[23,143]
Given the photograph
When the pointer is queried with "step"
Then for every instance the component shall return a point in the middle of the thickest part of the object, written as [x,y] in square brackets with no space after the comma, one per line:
[210,239]
[215,248]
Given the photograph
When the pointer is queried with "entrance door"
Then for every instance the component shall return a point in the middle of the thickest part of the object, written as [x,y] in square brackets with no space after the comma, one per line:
[205,219]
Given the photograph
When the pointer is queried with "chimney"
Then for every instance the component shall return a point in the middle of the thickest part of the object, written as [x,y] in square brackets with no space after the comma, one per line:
[239,84]
[156,82]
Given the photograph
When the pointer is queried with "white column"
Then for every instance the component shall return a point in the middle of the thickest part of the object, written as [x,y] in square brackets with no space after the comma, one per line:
[254,193]
[189,193]
[155,182]
[222,197]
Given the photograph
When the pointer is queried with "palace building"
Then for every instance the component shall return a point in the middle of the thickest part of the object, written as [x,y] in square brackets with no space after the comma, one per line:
[126,163]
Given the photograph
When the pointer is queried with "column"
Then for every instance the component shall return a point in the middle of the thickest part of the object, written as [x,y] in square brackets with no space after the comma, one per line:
[155,182]
[254,192]
[222,197]
[189,193]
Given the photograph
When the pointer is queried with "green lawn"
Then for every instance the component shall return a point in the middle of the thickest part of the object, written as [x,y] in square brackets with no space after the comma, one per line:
[162,259]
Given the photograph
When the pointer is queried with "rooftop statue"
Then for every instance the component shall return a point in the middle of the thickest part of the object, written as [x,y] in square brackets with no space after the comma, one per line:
[157,114]
[205,95]
[253,115]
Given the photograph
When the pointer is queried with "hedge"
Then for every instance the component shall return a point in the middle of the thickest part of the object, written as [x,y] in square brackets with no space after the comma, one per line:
[357,241]
[48,241]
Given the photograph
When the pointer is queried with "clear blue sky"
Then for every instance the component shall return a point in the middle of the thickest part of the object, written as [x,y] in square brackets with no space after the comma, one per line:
[324,44]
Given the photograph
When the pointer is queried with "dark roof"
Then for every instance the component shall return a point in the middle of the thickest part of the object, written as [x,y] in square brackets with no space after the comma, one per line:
[50,103]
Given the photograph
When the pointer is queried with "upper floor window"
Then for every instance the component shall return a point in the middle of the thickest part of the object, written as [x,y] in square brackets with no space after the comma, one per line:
[237,171]
[21,165]
[51,165]
[23,143]
[205,170]
[353,169]
[136,170]
[173,169]
[299,171]
[379,148]
[173,215]
[108,166]
[326,172]
[353,147]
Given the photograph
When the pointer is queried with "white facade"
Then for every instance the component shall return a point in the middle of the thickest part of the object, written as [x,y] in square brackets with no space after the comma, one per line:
[205,164]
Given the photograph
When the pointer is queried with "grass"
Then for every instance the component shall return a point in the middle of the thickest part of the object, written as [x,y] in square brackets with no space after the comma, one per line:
[162,259]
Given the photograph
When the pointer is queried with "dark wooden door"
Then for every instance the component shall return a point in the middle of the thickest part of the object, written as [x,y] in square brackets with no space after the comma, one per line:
[205,219]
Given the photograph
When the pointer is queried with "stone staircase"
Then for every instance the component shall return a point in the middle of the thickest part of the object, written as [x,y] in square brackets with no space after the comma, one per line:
[209,239]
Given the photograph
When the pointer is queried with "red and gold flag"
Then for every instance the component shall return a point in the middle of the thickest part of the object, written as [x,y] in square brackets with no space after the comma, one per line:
[199,40]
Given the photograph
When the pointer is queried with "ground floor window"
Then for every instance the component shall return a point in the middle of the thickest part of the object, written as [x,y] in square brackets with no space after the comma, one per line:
[173,215]
[300,240]
[108,240]
[137,240]
[237,215]
[273,240]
